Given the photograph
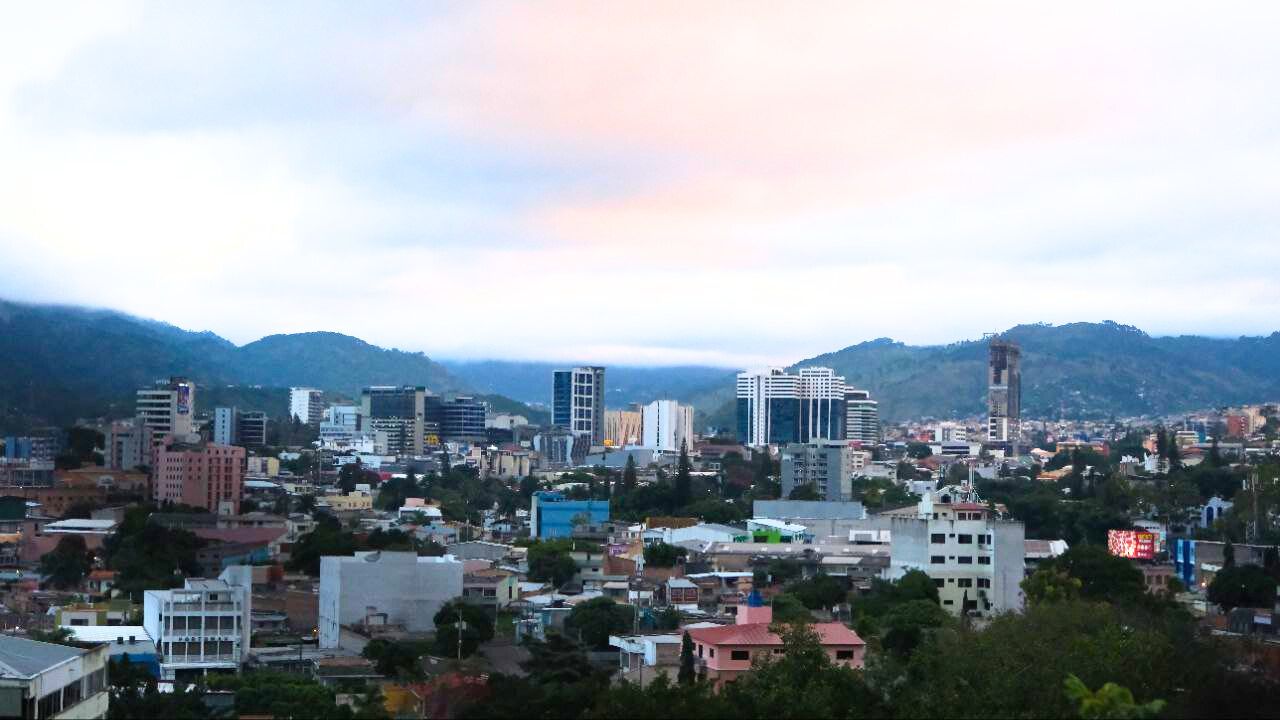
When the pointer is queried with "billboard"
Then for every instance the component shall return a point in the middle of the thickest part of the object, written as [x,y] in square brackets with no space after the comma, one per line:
[184,399]
[1133,544]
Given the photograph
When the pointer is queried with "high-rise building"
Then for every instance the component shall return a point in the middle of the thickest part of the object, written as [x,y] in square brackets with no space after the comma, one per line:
[623,428]
[668,425]
[828,465]
[577,402]
[400,412]
[862,417]
[244,429]
[1004,394]
[306,404]
[128,445]
[168,408]
[462,419]
[199,474]
[776,407]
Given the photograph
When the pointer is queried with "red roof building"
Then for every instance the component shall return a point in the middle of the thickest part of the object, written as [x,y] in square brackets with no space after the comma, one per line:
[727,652]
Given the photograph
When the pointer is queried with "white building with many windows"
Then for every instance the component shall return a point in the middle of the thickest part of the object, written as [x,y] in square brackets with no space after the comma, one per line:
[306,404]
[667,425]
[977,561]
[199,628]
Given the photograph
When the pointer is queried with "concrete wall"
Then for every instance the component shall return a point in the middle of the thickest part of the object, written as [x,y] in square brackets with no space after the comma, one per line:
[407,588]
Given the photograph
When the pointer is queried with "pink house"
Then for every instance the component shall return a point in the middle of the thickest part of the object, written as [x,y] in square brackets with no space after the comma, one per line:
[727,651]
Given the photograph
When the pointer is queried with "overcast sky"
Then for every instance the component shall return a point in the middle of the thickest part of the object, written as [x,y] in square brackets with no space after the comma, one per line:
[644,182]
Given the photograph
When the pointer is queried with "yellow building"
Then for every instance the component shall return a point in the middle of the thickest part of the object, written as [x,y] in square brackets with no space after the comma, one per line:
[351,502]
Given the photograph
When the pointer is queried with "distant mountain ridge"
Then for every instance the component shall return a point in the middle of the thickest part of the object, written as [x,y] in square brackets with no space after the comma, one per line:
[58,363]
[1079,370]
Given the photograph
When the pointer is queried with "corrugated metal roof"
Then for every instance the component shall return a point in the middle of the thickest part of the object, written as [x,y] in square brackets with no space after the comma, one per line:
[22,658]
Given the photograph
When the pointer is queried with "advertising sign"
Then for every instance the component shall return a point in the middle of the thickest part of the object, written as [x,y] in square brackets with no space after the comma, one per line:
[184,399]
[1133,544]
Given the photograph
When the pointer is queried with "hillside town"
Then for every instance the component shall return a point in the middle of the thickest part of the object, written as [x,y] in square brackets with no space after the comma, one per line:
[415,555]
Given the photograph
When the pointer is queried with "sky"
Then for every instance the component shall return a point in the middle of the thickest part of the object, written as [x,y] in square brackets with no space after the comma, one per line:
[729,183]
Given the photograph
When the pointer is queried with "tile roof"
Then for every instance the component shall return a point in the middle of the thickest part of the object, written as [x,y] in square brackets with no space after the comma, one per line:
[759,634]
[249,535]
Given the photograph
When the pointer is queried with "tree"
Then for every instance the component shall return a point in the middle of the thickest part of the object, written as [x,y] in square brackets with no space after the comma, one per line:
[906,624]
[663,555]
[67,564]
[55,636]
[280,694]
[788,609]
[918,450]
[629,474]
[686,676]
[1102,575]
[819,592]
[551,562]
[1049,585]
[478,628]
[682,491]
[1242,586]
[1110,702]
[598,618]
[396,658]
[328,538]
[807,491]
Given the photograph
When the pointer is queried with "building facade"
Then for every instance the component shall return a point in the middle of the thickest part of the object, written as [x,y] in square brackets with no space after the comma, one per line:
[128,444]
[1004,394]
[199,628]
[463,419]
[306,405]
[551,515]
[42,680]
[169,407]
[577,402]
[862,417]
[623,428]
[667,425]
[399,588]
[200,474]
[776,407]
[400,412]
[829,465]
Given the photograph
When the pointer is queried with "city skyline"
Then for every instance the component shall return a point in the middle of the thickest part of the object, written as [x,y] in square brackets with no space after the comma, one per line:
[238,167]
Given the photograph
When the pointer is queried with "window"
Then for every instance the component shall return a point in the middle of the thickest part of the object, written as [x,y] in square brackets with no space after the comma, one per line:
[739,655]
[844,654]
[965,539]
[937,559]
[711,652]
[937,538]
[965,559]
[984,559]
[984,583]
[948,602]
[699,649]
[938,582]
[964,582]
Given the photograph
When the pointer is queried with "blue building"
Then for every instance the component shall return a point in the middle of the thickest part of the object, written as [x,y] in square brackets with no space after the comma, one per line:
[552,515]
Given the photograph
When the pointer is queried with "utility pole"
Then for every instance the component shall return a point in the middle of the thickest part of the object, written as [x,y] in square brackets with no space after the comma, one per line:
[461,626]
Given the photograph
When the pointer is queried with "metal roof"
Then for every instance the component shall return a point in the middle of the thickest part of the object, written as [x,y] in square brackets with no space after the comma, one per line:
[22,658]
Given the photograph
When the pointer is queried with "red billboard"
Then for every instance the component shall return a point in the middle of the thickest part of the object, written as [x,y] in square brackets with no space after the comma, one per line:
[1133,544]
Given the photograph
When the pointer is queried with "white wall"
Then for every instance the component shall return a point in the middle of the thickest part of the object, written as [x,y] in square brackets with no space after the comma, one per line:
[407,588]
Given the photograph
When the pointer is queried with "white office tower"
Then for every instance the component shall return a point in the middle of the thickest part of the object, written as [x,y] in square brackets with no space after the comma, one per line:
[168,408]
[948,432]
[225,420]
[306,405]
[775,407]
[341,422]
[667,425]
[862,417]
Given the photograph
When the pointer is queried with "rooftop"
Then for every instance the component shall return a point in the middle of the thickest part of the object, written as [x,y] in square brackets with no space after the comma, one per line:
[108,633]
[759,634]
[22,658]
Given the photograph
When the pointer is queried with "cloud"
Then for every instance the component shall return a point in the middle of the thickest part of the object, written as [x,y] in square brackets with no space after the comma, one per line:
[718,182]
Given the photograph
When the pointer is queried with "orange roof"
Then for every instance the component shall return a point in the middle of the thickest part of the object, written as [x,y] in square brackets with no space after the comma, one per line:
[759,634]
[102,575]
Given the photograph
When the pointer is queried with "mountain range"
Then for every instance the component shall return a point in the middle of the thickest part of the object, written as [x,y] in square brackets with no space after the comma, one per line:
[60,363]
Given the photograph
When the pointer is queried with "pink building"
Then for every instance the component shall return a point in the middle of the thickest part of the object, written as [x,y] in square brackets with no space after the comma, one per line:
[727,651]
[200,474]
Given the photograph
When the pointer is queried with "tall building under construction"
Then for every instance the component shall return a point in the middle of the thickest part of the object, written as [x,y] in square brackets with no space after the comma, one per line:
[1004,394]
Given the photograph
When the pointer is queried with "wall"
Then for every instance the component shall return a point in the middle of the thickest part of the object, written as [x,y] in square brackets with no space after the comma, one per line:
[408,589]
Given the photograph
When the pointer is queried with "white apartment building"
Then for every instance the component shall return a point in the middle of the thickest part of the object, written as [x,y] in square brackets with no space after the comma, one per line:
[42,680]
[306,404]
[950,432]
[168,408]
[198,628]
[399,588]
[667,425]
[862,417]
[977,561]
[224,426]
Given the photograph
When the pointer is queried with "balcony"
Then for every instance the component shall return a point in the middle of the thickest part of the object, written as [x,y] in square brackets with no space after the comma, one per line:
[206,659]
